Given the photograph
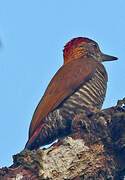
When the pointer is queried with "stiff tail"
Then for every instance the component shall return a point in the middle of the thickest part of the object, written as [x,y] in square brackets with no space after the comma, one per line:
[30,143]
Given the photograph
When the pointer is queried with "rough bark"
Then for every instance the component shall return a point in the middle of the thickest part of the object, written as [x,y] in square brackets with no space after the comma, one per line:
[94,150]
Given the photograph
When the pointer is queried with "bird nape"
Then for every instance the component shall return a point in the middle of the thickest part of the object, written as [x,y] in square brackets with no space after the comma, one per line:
[81,82]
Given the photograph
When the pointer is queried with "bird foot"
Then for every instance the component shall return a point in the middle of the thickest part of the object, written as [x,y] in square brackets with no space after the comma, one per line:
[78,123]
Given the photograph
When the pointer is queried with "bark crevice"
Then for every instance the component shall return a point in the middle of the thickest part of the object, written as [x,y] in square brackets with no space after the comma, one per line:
[94,150]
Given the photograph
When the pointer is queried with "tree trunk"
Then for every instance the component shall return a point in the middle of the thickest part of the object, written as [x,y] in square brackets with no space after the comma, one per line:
[94,150]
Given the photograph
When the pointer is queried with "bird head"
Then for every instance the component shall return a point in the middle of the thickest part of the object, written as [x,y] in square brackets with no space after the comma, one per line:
[84,47]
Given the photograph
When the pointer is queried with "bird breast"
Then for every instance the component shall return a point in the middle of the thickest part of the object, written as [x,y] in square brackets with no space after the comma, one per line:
[91,93]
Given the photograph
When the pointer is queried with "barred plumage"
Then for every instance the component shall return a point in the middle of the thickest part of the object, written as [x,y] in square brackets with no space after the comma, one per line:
[78,85]
[58,122]
[91,93]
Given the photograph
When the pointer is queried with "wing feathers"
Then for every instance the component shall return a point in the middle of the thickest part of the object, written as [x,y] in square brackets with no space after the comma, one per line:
[68,78]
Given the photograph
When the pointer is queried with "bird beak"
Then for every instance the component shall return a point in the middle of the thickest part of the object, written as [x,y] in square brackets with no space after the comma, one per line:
[106,57]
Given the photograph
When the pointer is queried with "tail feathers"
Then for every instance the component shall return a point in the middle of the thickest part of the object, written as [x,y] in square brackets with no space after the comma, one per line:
[30,145]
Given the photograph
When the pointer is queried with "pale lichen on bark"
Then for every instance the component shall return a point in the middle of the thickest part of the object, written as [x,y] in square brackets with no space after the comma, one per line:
[94,150]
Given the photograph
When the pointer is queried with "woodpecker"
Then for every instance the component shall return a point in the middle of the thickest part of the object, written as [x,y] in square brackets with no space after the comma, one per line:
[81,82]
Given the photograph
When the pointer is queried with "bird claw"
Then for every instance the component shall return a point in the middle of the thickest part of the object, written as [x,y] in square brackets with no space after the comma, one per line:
[77,122]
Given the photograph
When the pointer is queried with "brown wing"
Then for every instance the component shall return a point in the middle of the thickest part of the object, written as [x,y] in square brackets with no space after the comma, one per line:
[69,77]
